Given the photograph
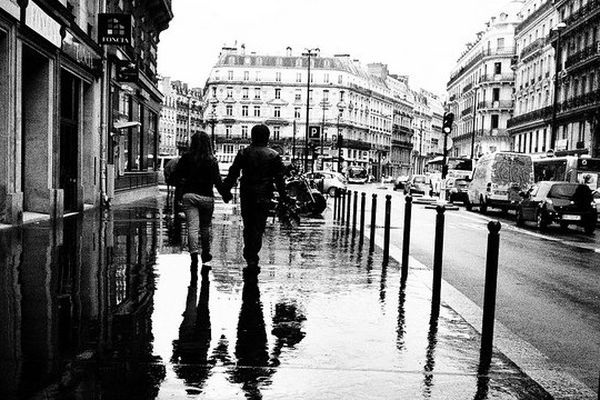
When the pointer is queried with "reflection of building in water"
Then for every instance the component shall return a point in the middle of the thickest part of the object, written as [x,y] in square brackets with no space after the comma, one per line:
[80,292]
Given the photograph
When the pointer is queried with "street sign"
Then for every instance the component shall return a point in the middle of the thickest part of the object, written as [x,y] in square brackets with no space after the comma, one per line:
[314,133]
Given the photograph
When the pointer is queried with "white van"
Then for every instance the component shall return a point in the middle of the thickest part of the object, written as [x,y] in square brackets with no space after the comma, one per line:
[498,179]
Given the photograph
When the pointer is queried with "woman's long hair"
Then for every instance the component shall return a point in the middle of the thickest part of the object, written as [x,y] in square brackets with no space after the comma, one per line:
[201,147]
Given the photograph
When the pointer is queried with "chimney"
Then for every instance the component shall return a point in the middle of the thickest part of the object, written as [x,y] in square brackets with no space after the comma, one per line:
[288,51]
[243,49]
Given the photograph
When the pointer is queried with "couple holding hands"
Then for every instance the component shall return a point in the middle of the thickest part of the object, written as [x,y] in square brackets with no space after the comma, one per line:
[198,173]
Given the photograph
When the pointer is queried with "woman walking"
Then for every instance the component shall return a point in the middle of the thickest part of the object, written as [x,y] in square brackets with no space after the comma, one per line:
[198,173]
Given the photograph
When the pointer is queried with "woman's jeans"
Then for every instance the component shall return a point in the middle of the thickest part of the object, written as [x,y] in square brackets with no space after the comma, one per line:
[198,212]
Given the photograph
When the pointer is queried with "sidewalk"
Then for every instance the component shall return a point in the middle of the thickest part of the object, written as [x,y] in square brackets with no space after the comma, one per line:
[101,306]
[324,322]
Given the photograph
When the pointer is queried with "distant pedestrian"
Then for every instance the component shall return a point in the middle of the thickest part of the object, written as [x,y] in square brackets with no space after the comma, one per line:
[198,172]
[261,167]
[173,192]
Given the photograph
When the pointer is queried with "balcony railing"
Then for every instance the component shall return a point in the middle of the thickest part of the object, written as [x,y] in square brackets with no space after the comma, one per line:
[584,100]
[533,47]
[525,23]
[584,55]
[585,11]
[510,51]
[496,78]
[541,114]
[466,111]
[467,87]
[499,104]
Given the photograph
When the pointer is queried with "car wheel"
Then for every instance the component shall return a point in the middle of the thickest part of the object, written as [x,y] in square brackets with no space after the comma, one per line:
[483,206]
[589,228]
[564,226]
[540,219]
[332,191]
[519,219]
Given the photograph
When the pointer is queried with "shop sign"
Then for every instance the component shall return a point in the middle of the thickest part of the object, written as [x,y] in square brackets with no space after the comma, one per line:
[11,7]
[127,71]
[114,29]
[80,52]
[43,24]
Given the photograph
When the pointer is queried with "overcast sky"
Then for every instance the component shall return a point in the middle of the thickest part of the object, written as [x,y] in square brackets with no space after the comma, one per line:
[422,39]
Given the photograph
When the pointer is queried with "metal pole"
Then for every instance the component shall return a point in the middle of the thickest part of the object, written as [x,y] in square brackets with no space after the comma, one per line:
[555,99]
[406,238]
[294,144]
[361,240]
[340,142]
[348,211]
[373,222]
[354,211]
[335,205]
[343,210]
[322,133]
[489,298]
[474,127]
[386,229]
[307,115]
[437,261]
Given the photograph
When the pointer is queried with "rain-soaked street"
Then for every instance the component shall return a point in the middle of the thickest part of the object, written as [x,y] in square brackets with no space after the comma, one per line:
[102,306]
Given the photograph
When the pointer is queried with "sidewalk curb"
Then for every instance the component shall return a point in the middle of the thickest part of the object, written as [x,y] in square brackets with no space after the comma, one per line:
[559,384]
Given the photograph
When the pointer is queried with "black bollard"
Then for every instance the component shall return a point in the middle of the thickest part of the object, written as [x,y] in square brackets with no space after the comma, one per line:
[437,261]
[361,240]
[334,206]
[343,209]
[373,222]
[348,211]
[406,238]
[354,211]
[489,297]
[386,229]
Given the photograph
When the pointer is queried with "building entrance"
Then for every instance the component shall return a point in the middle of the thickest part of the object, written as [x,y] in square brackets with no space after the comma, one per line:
[70,94]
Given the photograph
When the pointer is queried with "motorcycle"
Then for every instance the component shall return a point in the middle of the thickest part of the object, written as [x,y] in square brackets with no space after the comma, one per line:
[309,201]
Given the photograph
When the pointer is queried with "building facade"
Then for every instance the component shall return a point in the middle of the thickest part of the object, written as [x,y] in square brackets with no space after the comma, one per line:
[345,99]
[427,140]
[531,126]
[481,87]
[180,116]
[56,94]
[402,129]
[577,122]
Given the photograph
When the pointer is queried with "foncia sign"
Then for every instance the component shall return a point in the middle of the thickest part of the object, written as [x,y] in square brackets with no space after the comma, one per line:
[114,29]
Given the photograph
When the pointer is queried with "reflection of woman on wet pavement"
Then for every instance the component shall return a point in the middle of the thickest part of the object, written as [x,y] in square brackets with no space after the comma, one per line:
[191,349]
[198,172]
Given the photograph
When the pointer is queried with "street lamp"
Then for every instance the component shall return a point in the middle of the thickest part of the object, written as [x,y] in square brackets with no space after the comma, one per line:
[189,118]
[309,53]
[557,56]
[213,120]
[340,142]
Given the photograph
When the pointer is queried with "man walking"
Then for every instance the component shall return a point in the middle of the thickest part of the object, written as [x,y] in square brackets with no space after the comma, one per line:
[260,167]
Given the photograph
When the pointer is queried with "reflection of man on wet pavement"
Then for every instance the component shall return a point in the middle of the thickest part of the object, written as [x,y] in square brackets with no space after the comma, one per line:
[260,167]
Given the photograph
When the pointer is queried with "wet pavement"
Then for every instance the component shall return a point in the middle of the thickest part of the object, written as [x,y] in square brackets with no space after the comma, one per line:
[102,307]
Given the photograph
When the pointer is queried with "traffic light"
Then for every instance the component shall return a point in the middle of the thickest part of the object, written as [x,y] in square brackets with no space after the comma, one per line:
[447,123]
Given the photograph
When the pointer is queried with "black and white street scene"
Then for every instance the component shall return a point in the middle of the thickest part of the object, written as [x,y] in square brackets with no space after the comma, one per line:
[300,200]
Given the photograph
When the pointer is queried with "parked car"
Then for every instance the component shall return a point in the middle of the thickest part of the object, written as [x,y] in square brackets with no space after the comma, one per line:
[457,190]
[559,202]
[400,182]
[418,184]
[327,181]
[596,201]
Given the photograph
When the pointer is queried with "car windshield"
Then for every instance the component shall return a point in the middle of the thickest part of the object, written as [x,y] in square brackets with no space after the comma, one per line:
[570,191]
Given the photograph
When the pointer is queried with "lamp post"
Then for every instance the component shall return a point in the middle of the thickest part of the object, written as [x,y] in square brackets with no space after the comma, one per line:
[213,120]
[340,142]
[189,118]
[557,56]
[309,53]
